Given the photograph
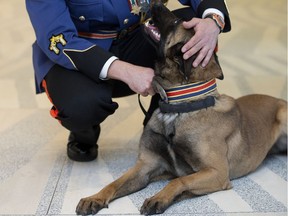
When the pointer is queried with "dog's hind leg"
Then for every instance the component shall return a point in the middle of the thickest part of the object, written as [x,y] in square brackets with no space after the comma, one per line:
[280,147]
[280,129]
[133,180]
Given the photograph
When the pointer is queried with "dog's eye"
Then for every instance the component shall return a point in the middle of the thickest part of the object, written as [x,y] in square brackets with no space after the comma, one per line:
[177,59]
[175,50]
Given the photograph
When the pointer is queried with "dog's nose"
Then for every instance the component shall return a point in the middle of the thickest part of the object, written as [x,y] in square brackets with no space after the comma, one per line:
[156,3]
[157,7]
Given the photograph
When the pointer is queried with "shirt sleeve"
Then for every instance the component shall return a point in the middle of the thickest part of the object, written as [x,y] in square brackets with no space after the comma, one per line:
[212,10]
[104,72]
[57,37]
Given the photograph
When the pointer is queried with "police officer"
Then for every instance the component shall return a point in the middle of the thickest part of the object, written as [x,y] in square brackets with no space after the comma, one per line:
[89,51]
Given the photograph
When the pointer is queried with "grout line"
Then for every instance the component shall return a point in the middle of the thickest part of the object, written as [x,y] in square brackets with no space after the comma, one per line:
[51,186]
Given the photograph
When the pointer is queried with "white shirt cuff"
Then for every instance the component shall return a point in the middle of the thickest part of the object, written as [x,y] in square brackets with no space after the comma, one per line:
[212,10]
[104,71]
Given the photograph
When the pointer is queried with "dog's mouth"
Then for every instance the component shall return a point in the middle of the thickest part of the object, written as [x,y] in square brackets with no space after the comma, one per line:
[152,31]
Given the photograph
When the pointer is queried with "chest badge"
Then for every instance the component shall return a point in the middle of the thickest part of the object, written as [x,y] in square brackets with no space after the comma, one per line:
[140,8]
[54,40]
[135,9]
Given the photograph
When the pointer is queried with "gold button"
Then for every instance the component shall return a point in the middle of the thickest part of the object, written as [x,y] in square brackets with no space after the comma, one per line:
[126,21]
[82,18]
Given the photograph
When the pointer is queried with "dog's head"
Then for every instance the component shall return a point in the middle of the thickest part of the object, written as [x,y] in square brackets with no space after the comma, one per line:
[169,35]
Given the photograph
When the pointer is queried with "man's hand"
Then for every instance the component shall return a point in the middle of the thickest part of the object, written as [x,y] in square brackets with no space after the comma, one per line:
[204,40]
[138,78]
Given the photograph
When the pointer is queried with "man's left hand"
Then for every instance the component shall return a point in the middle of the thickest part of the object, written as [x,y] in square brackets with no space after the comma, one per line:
[204,41]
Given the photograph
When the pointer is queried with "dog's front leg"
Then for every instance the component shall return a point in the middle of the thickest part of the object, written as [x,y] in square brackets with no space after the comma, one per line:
[133,180]
[203,182]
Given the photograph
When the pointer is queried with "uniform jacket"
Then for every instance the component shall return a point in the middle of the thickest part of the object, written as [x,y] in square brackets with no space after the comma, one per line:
[57,22]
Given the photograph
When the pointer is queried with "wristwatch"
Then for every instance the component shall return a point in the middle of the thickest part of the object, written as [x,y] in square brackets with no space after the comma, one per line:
[218,20]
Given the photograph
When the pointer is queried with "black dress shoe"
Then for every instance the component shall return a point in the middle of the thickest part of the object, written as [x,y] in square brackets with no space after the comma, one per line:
[82,145]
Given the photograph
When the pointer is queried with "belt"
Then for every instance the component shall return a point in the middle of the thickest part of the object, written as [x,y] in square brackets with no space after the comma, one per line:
[109,34]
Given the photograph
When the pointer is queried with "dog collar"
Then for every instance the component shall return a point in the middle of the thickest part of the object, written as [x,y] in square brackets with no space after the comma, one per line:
[190,91]
[187,107]
[174,100]
[184,92]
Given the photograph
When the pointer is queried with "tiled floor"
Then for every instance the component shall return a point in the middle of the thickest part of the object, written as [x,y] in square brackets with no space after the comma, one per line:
[36,178]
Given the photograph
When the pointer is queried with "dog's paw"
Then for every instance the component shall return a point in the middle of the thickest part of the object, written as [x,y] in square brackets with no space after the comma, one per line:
[153,206]
[90,205]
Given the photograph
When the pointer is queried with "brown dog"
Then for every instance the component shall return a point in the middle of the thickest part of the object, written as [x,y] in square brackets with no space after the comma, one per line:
[201,138]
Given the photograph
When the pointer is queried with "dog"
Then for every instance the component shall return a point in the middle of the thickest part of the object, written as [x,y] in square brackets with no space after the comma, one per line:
[203,140]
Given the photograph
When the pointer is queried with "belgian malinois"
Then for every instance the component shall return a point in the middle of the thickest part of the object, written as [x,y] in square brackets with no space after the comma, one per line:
[200,137]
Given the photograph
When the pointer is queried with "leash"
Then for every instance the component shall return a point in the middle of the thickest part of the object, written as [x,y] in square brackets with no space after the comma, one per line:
[142,107]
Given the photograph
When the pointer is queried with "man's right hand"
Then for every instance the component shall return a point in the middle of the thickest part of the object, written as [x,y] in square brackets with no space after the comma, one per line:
[138,78]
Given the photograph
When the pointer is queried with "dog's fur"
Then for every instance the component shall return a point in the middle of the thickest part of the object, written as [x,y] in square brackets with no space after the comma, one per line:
[204,149]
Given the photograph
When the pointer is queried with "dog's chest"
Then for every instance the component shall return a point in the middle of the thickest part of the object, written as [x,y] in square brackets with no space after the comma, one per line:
[174,157]
[168,121]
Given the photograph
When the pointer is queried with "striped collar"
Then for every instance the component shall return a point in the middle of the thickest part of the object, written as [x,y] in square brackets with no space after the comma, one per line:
[185,98]
[189,92]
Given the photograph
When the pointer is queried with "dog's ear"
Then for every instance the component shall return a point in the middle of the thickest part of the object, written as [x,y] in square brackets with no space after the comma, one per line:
[211,71]
[221,75]
[175,54]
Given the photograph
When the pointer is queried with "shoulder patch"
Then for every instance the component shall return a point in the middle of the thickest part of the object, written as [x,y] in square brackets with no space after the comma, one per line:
[54,40]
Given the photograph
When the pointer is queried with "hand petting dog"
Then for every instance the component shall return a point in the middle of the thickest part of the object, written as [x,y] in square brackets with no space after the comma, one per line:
[204,41]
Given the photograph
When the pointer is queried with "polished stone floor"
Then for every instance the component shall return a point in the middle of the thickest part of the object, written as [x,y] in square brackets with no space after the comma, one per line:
[37,178]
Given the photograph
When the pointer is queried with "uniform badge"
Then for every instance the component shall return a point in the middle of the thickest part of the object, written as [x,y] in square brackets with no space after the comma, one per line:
[140,8]
[54,40]
[135,9]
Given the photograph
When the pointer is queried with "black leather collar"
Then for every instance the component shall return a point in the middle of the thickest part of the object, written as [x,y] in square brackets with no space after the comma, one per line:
[186,107]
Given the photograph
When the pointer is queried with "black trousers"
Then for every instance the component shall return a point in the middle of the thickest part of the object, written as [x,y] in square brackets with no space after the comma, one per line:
[80,103]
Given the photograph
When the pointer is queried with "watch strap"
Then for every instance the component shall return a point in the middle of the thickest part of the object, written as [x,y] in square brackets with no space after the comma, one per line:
[218,20]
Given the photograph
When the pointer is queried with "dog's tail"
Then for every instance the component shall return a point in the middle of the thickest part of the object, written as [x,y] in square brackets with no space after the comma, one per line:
[280,146]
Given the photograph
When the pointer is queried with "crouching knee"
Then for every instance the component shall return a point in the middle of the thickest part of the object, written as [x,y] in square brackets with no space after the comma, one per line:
[82,114]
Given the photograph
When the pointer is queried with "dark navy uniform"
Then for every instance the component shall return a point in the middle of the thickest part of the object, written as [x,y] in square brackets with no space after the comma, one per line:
[74,40]
[59,17]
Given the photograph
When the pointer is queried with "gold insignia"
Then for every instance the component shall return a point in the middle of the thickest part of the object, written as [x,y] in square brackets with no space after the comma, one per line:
[136,9]
[54,40]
